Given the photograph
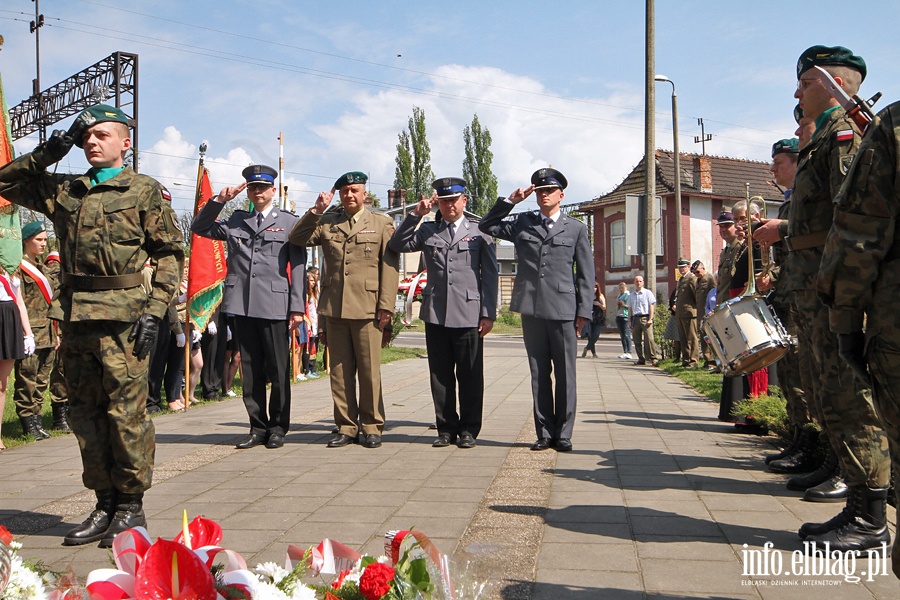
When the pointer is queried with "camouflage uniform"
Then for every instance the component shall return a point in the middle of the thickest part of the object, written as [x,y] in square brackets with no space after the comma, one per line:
[106,233]
[794,376]
[860,269]
[843,405]
[33,372]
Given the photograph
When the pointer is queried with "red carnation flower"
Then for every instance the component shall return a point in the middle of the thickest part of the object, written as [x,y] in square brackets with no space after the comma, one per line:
[375,581]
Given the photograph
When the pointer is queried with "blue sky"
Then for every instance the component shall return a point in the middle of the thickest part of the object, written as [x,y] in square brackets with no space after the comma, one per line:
[556,83]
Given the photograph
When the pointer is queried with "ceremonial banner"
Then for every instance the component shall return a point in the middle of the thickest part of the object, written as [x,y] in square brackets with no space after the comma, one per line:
[207,267]
[10,227]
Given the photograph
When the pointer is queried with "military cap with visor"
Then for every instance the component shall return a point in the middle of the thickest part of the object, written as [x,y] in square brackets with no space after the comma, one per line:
[449,187]
[350,178]
[683,262]
[725,218]
[101,113]
[836,56]
[260,174]
[786,146]
[548,178]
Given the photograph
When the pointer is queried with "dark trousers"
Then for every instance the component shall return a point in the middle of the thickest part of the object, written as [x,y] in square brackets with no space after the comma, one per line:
[158,358]
[624,333]
[264,358]
[551,347]
[456,361]
[212,347]
[593,335]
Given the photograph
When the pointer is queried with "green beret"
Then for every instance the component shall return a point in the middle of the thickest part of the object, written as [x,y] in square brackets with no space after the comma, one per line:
[787,146]
[830,55]
[29,230]
[798,114]
[100,114]
[350,178]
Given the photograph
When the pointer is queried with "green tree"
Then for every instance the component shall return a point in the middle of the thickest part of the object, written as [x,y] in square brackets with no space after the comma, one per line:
[413,171]
[477,168]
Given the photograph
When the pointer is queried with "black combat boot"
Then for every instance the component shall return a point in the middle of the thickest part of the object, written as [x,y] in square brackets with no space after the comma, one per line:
[803,459]
[61,417]
[39,432]
[833,490]
[31,426]
[865,525]
[789,449]
[829,469]
[95,525]
[129,513]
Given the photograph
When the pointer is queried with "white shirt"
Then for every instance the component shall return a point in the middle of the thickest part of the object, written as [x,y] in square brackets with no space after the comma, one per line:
[639,303]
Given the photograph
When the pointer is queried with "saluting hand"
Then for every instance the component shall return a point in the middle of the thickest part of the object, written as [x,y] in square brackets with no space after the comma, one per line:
[322,201]
[520,194]
[229,193]
[424,205]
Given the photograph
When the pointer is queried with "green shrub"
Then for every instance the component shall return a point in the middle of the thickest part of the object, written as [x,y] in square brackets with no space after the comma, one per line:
[504,315]
[769,409]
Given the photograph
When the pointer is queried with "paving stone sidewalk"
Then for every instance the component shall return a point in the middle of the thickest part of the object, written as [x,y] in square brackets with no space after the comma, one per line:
[656,501]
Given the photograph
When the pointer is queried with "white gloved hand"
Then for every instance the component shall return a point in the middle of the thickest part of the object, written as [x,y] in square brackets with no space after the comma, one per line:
[180,340]
[29,345]
[211,329]
[196,334]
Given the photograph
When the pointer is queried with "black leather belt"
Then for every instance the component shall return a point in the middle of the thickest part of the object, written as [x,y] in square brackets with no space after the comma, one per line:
[94,283]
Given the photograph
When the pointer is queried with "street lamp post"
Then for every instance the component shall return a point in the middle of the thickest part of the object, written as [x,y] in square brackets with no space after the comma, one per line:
[677,165]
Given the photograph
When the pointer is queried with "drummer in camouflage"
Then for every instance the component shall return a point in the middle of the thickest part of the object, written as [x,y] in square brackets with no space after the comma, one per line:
[860,278]
[109,223]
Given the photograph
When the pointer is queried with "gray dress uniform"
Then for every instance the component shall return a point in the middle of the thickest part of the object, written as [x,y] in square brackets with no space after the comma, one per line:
[554,285]
[259,293]
[461,290]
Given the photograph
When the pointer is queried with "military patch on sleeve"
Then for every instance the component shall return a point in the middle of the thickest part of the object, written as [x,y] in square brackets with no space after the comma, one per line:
[846,161]
[843,136]
[165,194]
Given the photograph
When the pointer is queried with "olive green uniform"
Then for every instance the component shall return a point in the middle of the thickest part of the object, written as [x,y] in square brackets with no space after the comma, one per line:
[106,232]
[360,277]
[843,405]
[686,312]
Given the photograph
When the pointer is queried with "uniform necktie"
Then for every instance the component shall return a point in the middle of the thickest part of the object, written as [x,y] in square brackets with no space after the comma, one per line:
[548,224]
[259,220]
[452,230]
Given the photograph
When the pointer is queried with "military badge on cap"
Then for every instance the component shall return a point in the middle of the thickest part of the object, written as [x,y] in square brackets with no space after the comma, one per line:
[350,178]
[260,174]
[449,187]
[786,146]
[837,56]
[101,113]
[725,218]
[548,178]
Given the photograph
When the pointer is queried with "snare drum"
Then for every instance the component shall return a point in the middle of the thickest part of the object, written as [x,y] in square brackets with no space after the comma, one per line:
[745,335]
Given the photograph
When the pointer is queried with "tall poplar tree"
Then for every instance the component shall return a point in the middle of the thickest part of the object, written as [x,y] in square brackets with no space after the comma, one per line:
[477,168]
[413,171]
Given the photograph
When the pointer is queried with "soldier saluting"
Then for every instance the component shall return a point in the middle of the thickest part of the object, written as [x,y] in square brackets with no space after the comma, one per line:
[109,223]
